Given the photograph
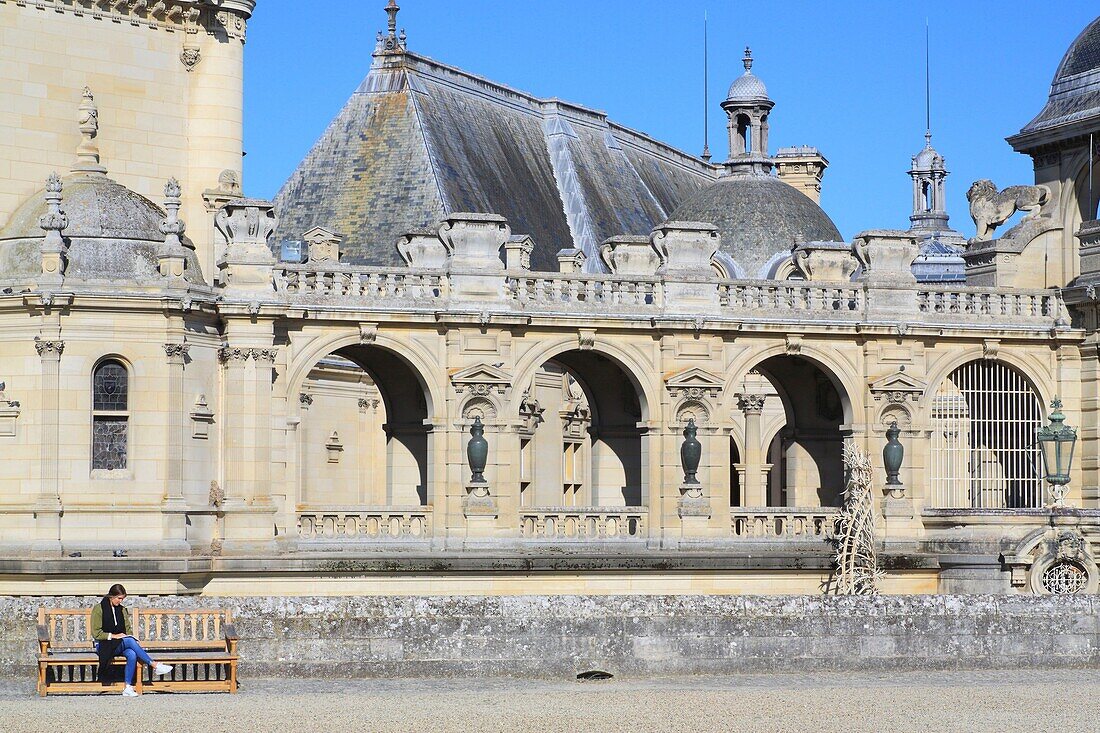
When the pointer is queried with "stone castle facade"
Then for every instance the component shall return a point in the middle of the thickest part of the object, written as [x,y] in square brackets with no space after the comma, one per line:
[207,393]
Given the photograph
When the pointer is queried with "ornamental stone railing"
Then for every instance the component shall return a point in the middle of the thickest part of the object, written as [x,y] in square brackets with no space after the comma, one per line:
[991,303]
[816,523]
[581,524]
[468,252]
[836,300]
[362,283]
[379,523]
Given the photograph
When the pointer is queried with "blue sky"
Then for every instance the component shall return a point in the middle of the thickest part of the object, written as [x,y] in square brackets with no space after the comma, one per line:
[847,77]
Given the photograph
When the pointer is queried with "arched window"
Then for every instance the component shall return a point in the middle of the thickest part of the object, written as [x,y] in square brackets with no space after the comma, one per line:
[985,417]
[744,132]
[110,415]
[926,190]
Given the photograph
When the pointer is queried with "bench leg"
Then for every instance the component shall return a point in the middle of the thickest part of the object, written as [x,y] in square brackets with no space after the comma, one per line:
[233,677]
[41,679]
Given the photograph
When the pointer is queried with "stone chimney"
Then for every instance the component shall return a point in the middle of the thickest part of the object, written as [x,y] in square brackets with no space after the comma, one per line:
[802,167]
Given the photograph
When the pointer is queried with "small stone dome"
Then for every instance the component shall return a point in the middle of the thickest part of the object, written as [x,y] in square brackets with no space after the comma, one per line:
[928,158]
[113,233]
[758,216]
[746,88]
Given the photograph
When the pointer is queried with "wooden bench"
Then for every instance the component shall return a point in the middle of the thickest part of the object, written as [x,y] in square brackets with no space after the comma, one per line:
[200,645]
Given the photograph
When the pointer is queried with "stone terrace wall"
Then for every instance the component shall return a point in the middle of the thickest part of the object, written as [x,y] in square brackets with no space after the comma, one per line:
[632,636]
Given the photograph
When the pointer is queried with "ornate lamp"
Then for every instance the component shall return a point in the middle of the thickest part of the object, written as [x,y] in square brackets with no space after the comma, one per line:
[1057,441]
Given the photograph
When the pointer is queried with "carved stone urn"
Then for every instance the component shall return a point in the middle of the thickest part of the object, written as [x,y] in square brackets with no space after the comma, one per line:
[886,255]
[247,224]
[824,261]
[691,452]
[477,452]
[892,456]
[422,249]
[630,255]
[686,249]
[474,241]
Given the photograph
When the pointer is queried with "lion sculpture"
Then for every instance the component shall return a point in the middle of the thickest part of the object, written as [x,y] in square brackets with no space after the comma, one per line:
[989,209]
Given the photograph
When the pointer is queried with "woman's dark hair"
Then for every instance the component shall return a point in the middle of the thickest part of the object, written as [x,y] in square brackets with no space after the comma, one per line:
[116,591]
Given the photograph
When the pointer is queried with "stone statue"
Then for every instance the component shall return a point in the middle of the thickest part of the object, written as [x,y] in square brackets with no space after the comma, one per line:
[989,209]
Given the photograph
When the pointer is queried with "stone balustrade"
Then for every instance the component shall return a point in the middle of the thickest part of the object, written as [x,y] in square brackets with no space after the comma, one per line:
[839,300]
[358,283]
[379,523]
[627,296]
[580,290]
[583,523]
[782,523]
[991,304]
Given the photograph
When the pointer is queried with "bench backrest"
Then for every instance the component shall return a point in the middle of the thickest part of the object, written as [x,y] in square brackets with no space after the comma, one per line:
[70,628]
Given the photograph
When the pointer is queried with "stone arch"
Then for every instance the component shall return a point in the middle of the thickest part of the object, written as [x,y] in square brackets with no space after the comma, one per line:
[590,448]
[382,405]
[983,415]
[423,364]
[804,448]
[844,376]
[1036,373]
[631,366]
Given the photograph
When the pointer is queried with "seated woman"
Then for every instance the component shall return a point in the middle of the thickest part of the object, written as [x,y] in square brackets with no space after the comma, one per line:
[112,633]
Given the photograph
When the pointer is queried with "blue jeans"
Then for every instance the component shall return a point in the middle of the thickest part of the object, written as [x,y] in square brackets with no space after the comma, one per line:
[130,649]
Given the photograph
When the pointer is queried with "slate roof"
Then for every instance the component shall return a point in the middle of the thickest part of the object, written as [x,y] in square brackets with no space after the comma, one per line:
[1075,92]
[419,139]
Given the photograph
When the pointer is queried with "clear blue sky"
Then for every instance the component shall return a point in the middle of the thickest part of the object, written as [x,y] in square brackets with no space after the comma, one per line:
[847,77]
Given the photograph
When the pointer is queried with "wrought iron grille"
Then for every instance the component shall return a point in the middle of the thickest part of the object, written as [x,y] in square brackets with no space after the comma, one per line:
[984,454]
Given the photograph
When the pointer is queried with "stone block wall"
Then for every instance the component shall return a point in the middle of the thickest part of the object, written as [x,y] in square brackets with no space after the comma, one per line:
[635,636]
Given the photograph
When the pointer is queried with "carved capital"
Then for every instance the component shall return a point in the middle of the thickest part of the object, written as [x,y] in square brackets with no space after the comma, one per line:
[305,398]
[48,348]
[266,356]
[238,355]
[176,351]
[751,404]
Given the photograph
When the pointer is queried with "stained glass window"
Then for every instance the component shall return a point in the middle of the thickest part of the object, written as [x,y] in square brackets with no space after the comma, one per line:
[109,387]
[110,424]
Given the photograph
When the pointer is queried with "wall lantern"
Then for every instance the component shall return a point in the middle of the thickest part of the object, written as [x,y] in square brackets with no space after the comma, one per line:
[1057,441]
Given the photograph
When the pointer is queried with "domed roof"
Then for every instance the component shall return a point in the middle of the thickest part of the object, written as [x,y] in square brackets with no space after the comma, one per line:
[1074,101]
[1083,55]
[747,87]
[96,207]
[113,233]
[758,217]
[928,158]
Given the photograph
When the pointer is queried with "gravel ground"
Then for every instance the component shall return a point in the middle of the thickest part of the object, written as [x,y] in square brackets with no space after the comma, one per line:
[954,702]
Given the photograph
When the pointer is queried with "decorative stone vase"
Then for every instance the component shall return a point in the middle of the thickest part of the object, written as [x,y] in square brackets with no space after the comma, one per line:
[886,255]
[477,451]
[629,255]
[892,455]
[691,451]
[824,261]
[474,241]
[686,249]
[422,249]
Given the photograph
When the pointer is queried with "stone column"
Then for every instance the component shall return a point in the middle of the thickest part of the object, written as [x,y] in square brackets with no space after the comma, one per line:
[175,529]
[249,511]
[754,490]
[47,507]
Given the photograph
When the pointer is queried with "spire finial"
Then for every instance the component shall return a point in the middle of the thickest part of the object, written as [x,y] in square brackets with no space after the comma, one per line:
[392,9]
[87,153]
[747,60]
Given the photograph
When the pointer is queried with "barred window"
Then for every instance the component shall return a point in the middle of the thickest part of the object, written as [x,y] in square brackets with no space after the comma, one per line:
[985,417]
[110,416]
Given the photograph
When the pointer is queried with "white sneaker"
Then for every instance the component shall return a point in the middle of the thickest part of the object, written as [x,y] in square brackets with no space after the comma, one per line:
[129,691]
[162,669]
